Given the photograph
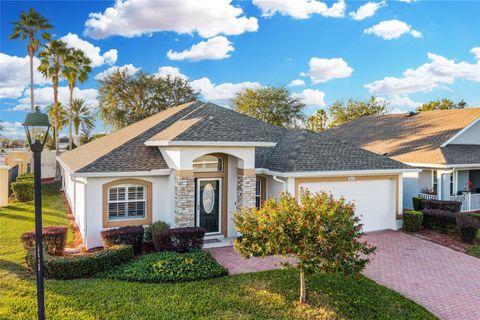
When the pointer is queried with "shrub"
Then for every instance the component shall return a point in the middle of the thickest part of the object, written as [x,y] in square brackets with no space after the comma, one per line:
[412,220]
[77,266]
[154,228]
[439,219]
[476,215]
[132,235]
[164,267]
[417,203]
[452,206]
[54,239]
[25,177]
[179,239]
[468,227]
[23,190]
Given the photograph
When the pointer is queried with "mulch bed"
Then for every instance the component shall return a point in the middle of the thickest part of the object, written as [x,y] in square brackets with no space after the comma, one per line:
[450,240]
[77,236]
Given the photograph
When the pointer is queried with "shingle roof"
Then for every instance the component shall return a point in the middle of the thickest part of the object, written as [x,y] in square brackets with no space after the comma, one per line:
[295,150]
[415,139]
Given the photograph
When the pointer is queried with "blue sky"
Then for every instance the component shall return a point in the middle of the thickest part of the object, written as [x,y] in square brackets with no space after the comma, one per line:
[407,52]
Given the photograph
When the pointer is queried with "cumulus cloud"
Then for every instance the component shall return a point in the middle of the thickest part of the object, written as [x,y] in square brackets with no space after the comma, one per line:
[12,130]
[92,52]
[366,10]
[402,102]
[476,52]
[322,70]
[311,97]
[296,83]
[300,9]
[392,29]
[213,49]
[15,75]
[130,18]
[129,68]
[221,93]
[170,71]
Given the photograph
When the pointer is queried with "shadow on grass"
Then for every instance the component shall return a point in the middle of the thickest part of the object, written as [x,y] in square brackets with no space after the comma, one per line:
[15,268]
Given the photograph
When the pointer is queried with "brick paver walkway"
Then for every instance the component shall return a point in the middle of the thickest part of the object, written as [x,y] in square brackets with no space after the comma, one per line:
[445,281]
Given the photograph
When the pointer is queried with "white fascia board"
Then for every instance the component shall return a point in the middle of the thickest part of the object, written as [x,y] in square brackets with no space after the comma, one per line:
[443,166]
[63,164]
[334,173]
[168,143]
[160,172]
[460,133]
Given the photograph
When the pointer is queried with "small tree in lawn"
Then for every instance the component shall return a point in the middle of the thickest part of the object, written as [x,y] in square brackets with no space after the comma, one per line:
[321,232]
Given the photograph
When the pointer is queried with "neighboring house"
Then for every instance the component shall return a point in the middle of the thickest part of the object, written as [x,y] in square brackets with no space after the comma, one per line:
[197,163]
[444,143]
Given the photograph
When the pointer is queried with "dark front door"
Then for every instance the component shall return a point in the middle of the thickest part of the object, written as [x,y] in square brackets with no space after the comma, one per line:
[208,199]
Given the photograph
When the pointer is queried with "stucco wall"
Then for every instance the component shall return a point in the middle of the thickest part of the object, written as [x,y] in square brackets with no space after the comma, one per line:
[424,179]
[470,136]
[463,176]
[410,188]
[232,192]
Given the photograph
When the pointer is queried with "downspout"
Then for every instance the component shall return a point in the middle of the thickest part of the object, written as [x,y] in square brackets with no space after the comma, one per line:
[281,181]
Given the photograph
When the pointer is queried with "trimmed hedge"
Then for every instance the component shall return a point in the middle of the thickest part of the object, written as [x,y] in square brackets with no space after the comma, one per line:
[439,219]
[412,220]
[25,177]
[155,228]
[468,227]
[77,266]
[54,239]
[452,206]
[179,239]
[23,190]
[131,235]
[417,203]
[164,267]
[476,215]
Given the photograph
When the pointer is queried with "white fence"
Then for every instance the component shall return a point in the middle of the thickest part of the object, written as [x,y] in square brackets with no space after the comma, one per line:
[428,196]
[470,201]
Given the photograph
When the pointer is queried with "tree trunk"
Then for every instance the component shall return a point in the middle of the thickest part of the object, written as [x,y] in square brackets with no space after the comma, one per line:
[70,138]
[303,290]
[32,102]
[55,108]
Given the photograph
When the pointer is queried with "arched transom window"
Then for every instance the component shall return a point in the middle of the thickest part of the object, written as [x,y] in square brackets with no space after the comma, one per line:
[208,163]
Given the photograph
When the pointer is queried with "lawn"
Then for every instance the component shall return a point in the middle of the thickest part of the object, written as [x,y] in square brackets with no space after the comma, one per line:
[265,295]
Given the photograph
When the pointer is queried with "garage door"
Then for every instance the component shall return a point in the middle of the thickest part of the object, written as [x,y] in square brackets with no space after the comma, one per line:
[374,198]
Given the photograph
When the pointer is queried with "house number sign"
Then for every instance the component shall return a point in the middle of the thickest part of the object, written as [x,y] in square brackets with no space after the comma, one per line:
[208,198]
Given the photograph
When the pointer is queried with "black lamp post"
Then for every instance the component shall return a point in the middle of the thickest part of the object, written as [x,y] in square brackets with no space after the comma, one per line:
[36,127]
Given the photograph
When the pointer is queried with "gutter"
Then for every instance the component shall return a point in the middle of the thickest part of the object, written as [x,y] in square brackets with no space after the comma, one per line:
[281,181]
[333,173]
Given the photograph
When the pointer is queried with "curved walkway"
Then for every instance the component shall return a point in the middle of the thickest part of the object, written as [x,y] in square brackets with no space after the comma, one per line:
[445,281]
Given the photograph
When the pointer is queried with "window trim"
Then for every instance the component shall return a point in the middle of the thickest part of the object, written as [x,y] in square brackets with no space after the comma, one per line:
[435,180]
[127,200]
[107,223]
[263,190]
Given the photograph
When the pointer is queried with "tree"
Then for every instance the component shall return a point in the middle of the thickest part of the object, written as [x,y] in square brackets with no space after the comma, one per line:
[29,25]
[322,233]
[60,117]
[341,113]
[126,98]
[443,104]
[318,122]
[82,116]
[77,67]
[270,104]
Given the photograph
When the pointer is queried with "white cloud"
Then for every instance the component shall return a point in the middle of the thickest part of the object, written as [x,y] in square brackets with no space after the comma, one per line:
[406,1]
[15,75]
[221,93]
[367,10]
[402,101]
[170,71]
[129,68]
[12,130]
[476,52]
[322,70]
[130,18]
[392,29]
[300,9]
[296,83]
[439,72]
[213,49]
[92,52]
[311,97]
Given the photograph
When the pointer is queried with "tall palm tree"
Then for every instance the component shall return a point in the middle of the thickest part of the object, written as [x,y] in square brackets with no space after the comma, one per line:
[27,27]
[82,116]
[77,67]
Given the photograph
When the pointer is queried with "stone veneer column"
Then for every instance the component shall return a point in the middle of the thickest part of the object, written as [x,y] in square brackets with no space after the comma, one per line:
[246,187]
[184,201]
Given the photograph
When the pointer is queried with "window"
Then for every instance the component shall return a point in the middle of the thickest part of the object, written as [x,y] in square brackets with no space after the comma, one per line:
[208,163]
[452,191]
[258,194]
[435,181]
[127,202]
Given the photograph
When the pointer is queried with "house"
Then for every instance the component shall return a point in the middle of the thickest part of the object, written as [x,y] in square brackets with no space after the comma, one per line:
[445,144]
[195,164]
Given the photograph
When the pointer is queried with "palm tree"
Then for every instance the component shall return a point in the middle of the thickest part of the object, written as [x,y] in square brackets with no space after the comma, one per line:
[62,119]
[82,116]
[77,67]
[52,63]
[27,27]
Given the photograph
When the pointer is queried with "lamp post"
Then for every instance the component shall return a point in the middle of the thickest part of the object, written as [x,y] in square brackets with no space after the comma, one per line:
[36,127]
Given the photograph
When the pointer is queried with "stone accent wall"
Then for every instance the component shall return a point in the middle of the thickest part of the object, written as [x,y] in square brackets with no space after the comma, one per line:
[184,202]
[246,186]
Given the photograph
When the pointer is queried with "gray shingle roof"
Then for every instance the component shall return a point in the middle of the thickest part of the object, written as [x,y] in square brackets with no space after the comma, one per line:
[461,154]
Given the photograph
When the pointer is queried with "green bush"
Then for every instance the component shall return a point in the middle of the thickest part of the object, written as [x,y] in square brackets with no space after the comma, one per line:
[54,239]
[25,177]
[476,215]
[412,220]
[169,267]
[417,203]
[468,228]
[23,190]
[77,266]
[154,228]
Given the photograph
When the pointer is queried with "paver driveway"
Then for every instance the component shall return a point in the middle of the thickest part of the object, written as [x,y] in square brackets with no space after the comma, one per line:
[445,281]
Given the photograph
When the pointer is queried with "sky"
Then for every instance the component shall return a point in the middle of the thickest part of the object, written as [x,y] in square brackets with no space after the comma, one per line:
[407,52]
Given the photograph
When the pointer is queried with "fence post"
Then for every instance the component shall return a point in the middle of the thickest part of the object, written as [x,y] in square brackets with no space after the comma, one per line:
[4,185]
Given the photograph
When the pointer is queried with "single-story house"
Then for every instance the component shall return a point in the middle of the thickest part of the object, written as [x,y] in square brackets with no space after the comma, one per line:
[196,163]
[445,144]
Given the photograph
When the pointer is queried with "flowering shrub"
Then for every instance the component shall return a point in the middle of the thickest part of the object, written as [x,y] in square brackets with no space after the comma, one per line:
[321,232]
[54,239]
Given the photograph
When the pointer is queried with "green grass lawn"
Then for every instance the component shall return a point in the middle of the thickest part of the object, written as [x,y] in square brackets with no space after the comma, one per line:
[265,295]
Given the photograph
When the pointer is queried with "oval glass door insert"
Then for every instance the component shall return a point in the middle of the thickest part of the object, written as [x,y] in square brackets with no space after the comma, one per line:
[208,198]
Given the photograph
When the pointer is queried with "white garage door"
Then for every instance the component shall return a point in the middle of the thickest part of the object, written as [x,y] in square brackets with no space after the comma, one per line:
[374,199]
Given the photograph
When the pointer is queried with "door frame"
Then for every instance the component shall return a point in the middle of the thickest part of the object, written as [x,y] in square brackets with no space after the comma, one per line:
[197,202]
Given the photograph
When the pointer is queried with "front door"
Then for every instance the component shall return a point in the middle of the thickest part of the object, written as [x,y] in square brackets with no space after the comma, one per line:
[208,202]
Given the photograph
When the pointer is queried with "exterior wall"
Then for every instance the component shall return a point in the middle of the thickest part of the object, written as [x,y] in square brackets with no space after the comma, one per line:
[274,188]
[411,187]
[424,179]
[469,136]
[462,176]
[4,185]
[246,186]
[232,195]
[75,192]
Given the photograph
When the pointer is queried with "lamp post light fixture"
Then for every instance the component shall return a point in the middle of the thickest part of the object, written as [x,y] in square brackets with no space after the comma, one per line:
[36,127]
